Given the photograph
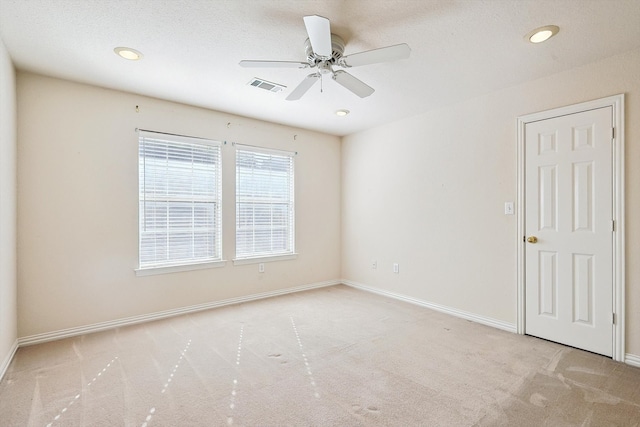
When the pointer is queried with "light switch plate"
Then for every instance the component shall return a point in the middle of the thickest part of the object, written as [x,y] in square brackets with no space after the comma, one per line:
[508,208]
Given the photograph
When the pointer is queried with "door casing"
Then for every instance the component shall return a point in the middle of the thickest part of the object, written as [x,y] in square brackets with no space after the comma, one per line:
[617,104]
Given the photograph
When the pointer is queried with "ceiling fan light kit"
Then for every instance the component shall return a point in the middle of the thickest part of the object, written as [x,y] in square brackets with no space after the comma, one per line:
[324,51]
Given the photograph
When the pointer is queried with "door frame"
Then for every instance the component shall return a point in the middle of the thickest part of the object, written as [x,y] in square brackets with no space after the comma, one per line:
[617,104]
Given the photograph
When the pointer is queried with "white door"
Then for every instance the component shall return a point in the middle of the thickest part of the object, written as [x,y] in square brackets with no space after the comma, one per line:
[568,226]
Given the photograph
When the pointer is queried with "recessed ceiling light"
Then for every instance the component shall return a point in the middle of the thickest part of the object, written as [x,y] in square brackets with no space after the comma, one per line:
[128,53]
[543,33]
[342,113]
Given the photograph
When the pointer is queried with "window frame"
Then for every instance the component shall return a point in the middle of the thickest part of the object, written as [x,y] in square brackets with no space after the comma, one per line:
[261,256]
[146,139]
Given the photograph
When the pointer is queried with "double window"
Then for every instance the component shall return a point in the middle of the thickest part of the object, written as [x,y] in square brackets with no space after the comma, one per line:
[180,203]
[180,200]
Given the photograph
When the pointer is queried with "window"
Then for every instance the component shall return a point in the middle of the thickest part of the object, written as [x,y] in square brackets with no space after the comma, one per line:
[180,201]
[264,203]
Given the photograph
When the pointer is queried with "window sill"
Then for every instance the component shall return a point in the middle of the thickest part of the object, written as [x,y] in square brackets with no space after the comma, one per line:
[266,258]
[150,271]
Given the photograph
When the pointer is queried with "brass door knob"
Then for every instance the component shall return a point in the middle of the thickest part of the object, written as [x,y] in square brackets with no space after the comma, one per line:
[532,239]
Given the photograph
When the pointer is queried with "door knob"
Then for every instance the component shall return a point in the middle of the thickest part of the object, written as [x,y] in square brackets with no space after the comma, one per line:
[532,239]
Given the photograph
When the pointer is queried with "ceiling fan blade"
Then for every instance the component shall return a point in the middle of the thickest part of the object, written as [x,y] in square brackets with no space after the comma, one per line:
[273,64]
[319,30]
[383,54]
[353,84]
[303,87]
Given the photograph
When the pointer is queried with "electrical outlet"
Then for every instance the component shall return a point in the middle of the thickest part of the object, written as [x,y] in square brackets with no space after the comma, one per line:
[396,268]
[261,268]
[374,265]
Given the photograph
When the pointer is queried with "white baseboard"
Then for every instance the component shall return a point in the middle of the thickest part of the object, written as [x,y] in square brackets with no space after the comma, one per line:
[499,324]
[632,359]
[96,327]
[7,360]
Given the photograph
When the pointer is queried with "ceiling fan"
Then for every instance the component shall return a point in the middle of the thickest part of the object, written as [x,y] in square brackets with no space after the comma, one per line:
[324,52]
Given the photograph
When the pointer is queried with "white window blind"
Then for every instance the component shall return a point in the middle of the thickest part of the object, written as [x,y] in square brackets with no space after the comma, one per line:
[180,200]
[264,202]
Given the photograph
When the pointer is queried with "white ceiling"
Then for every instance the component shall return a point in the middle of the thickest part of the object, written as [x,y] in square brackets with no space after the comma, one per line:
[460,49]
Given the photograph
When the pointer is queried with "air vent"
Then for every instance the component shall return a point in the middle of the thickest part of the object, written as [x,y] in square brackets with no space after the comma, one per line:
[263,84]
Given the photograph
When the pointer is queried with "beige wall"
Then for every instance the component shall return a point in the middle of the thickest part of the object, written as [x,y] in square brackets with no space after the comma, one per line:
[8,315]
[428,192]
[78,209]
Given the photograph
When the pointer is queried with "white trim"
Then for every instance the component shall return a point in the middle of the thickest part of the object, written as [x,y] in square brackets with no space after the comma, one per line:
[96,327]
[7,360]
[619,254]
[632,359]
[520,270]
[150,271]
[267,258]
[488,321]
[619,257]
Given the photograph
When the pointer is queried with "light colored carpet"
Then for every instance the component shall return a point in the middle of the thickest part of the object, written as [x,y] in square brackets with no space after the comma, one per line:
[329,357]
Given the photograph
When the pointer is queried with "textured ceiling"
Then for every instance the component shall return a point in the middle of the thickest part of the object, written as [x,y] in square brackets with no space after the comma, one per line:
[460,49]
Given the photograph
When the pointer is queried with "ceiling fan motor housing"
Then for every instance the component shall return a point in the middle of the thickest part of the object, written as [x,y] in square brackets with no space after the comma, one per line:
[337,49]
